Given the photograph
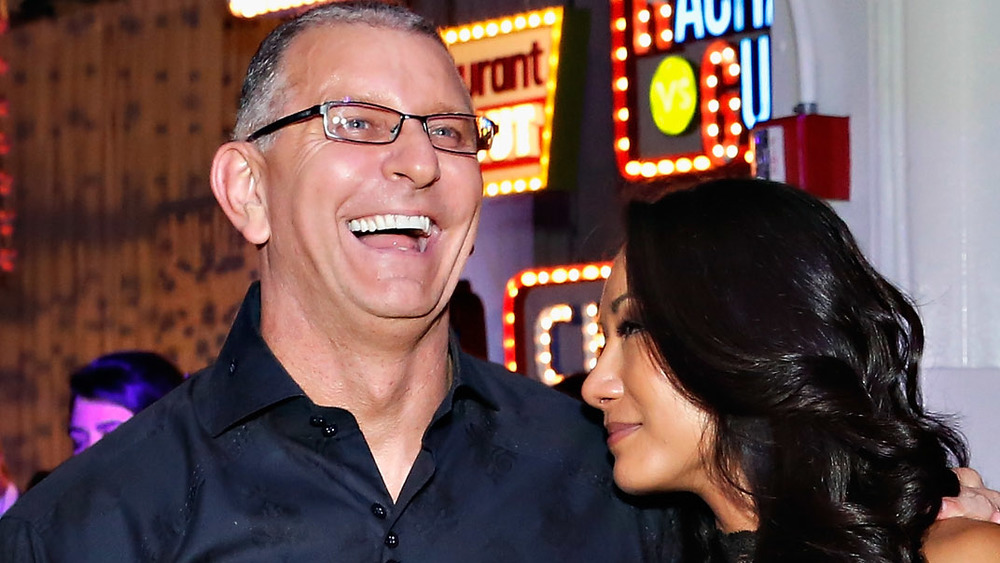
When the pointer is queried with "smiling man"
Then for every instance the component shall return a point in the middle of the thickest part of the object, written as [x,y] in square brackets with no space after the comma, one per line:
[342,421]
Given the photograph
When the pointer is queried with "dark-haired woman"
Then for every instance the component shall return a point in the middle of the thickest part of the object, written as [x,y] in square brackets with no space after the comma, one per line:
[756,359]
[112,389]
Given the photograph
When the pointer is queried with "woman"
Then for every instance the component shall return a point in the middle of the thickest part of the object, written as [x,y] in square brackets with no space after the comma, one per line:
[112,389]
[755,358]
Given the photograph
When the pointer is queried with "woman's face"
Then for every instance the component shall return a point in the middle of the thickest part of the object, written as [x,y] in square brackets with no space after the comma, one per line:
[91,419]
[658,437]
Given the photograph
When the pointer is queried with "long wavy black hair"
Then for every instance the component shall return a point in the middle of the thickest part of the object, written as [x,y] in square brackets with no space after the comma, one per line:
[757,298]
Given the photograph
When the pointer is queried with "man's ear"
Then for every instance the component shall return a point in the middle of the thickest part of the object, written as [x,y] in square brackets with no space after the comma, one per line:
[236,178]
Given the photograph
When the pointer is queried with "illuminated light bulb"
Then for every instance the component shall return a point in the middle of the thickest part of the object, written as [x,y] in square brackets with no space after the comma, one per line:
[665,11]
[529,279]
[667,35]
[512,292]
[600,340]
[560,275]
[543,278]
[713,106]
[492,189]
[478,32]
[545,323]
[605,272]
[736,129]
[718,151]
[549,375]
[534,20]
[545,339]
[591,310]
[492,29]
[712,81]
[621,84]
[506,26]
[621,53]
[623,114]
[573,275]
[509,343]
[520,185]
[645,40]
[643,16]
[550,17]
[594,346]
[506,186]
[684,165]
[591,272]
[735,103]
[702,163]
[620,24]
[464,34]
[665,167]
[623,144]
[535,184]
[511,366]
[520,22]
[510,317]
[712,130]
[734,69]
[648,169]
[633,167]
[591,329]
[715,58]
[748,156]
[732,151]
[728,53]
[592,363]
[451,36]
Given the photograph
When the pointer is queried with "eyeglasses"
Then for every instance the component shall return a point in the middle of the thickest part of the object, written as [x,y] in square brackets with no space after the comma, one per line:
[362,122]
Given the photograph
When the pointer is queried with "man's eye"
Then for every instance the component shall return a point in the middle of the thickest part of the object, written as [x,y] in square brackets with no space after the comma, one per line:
[446,131]
[355,123]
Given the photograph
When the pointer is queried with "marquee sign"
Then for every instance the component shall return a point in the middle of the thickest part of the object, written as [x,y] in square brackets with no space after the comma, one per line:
[550,328]
[510,66]
[690,79]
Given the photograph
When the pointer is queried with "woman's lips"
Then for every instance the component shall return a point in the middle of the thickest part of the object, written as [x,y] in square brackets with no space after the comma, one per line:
[617,431]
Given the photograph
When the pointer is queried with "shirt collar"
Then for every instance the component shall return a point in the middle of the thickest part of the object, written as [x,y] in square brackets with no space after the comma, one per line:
[247,378]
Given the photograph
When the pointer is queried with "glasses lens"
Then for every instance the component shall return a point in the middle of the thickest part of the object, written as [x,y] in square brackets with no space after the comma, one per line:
[458,133]
[361,124]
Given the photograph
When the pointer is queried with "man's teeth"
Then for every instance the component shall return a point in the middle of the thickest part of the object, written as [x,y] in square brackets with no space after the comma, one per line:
[376,223]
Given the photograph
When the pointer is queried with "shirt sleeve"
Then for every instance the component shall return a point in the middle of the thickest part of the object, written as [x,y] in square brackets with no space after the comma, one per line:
[19,542]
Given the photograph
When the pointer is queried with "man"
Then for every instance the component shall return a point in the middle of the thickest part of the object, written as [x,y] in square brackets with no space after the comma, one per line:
[341,422]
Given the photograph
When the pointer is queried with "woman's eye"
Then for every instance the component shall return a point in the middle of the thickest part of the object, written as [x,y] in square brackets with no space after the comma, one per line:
[628,328]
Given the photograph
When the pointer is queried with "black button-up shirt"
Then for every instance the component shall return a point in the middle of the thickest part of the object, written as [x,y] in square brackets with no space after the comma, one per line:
[238,464]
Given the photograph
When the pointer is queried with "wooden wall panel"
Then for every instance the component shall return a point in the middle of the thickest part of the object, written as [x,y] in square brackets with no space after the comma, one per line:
[116,112]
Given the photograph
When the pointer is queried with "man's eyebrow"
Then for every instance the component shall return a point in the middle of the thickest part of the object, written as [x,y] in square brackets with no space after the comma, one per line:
[617,303]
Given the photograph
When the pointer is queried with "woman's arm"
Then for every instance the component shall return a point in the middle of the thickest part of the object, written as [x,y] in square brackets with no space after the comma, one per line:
[960,540]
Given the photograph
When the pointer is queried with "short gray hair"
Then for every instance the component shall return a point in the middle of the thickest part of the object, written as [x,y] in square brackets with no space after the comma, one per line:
[263,87]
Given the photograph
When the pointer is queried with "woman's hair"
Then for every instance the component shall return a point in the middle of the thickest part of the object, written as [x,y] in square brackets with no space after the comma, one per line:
[133,380]
[758,300]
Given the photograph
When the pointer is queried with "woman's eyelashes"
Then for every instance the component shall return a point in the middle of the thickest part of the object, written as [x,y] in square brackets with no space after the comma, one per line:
[627,327]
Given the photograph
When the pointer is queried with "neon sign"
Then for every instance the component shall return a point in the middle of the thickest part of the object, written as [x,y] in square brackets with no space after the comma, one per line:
[550,326]
[510,66]
[690,79]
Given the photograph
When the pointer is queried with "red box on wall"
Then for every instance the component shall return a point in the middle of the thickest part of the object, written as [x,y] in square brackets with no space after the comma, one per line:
[810,151]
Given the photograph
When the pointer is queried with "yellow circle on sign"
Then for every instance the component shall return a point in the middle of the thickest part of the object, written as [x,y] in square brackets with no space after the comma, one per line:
[673,95]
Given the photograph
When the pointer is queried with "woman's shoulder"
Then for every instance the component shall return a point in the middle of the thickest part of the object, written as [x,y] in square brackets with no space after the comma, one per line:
[962,540]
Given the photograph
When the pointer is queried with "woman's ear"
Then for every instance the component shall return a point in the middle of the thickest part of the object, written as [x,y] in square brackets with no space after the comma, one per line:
[236,177]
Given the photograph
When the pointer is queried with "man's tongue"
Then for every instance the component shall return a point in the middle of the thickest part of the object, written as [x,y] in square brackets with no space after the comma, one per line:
[390,241]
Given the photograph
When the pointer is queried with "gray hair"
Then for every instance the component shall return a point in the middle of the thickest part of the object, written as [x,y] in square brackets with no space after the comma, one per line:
[263,90]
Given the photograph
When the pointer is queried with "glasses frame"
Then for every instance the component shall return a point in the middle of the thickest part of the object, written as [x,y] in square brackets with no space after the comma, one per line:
[483,142]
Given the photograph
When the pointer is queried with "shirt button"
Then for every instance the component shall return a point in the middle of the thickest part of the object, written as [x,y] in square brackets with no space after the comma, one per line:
[379,511]
[316,420]
[391,540]
[329,431]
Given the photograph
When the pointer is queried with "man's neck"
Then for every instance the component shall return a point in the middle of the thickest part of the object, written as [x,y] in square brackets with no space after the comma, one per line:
[392,380]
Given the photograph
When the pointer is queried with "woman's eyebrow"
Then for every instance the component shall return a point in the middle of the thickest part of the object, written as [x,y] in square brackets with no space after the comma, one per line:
[617,303]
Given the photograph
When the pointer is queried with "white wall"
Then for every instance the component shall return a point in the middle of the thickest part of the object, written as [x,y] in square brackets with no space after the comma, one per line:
[919,83]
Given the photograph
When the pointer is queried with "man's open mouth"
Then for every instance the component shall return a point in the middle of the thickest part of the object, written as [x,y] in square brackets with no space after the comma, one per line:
[401,232]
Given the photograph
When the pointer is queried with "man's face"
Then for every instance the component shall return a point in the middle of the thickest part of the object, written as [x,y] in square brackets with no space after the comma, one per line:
[319,191]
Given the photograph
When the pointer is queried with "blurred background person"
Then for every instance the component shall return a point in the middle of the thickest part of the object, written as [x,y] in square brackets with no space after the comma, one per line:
[8,491]
[112,389]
